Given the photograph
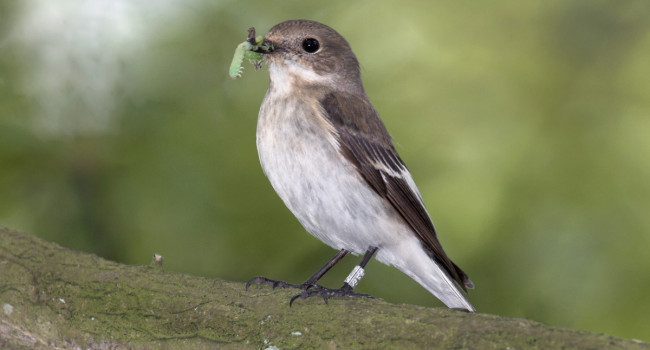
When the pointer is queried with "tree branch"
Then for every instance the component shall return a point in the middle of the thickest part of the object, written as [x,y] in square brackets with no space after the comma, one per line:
[54,297]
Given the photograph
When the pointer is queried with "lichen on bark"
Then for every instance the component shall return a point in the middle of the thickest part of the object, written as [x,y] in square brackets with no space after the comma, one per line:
[54,297]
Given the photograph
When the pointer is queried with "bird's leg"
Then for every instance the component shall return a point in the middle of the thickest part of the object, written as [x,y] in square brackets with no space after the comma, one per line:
[310,282]
[348,285]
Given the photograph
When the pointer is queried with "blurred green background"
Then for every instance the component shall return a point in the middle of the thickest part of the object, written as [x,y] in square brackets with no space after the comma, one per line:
[525,124]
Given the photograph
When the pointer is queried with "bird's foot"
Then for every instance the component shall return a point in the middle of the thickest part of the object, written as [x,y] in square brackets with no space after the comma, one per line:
[276,283]
[326,293]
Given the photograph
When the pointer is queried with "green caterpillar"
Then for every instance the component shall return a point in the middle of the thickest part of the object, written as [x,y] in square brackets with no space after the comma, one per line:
[248,50]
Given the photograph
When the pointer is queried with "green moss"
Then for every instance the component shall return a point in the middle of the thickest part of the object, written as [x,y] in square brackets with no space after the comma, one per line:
[65,298]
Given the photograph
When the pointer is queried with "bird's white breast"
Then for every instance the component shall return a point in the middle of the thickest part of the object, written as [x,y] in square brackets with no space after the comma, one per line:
[322,189]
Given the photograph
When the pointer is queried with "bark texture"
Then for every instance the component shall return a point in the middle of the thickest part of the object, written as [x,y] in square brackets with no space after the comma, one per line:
[56,298]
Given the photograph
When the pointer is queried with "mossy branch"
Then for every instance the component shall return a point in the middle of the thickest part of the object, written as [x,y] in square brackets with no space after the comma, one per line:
[54,297]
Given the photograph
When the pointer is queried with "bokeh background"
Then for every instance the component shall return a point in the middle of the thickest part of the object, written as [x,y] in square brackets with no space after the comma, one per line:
[525,124]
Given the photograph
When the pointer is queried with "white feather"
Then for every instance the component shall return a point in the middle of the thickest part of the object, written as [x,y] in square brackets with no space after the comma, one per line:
[330,198]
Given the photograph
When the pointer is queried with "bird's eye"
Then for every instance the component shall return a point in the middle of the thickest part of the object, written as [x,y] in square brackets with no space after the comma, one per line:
[310,45]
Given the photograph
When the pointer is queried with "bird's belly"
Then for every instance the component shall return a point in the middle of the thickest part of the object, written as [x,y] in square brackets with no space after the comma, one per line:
[324,190]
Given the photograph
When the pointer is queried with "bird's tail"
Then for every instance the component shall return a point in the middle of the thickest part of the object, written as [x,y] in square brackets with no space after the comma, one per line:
[438,283]
[412,259]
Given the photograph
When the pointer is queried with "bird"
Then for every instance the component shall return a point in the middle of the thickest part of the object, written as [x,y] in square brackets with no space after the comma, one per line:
[330,158]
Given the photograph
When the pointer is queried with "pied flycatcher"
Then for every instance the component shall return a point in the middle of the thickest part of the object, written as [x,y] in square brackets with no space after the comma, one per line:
[331,160]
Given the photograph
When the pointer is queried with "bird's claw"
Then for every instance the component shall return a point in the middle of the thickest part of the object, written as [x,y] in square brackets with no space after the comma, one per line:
[277,283]
[326,293]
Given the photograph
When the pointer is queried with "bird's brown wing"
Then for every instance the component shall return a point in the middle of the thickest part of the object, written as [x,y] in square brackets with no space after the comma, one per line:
[365,142]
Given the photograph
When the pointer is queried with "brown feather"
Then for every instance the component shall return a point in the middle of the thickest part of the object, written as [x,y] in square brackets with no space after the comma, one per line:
[365,142]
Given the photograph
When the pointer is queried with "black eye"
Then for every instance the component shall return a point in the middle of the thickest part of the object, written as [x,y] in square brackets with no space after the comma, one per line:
[310,45]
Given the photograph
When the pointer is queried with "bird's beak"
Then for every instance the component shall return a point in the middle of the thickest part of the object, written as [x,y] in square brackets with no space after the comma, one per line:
[265,47]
